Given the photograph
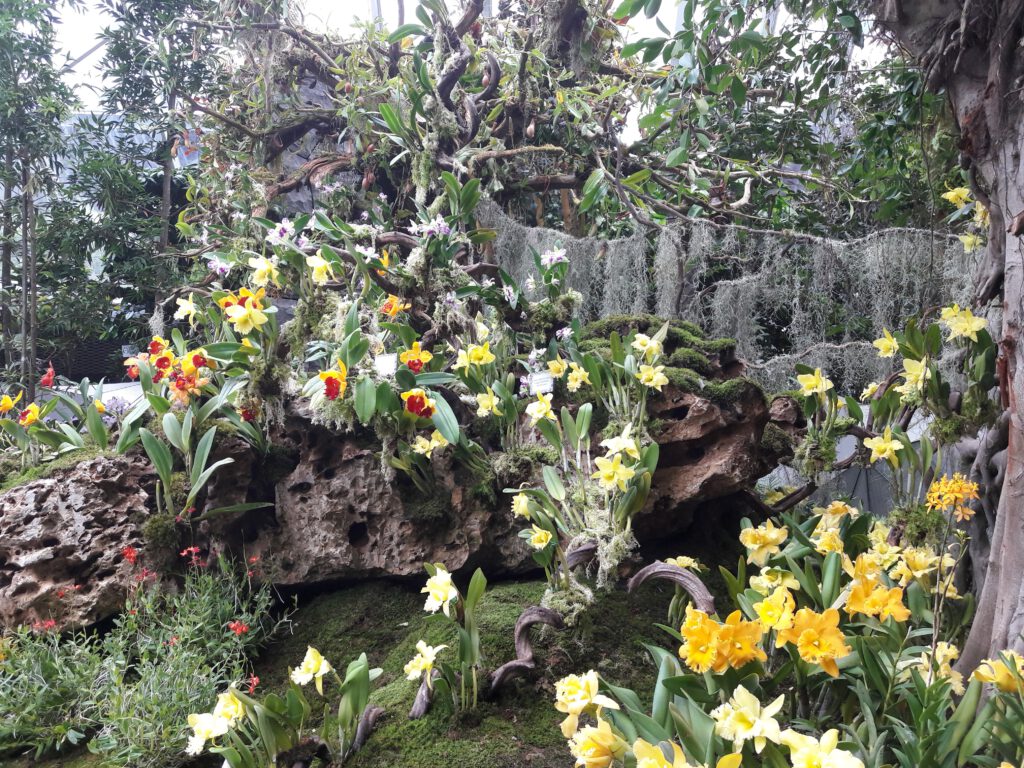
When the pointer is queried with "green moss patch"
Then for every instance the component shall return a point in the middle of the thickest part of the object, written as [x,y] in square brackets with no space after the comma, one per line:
[520,725]
[41,471]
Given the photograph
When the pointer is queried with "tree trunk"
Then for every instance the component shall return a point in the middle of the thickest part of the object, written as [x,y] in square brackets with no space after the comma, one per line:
[972,50]
[6,251]
[165,195]
[27,363]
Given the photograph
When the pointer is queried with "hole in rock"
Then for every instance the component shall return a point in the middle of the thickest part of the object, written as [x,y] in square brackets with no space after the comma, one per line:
[358,535]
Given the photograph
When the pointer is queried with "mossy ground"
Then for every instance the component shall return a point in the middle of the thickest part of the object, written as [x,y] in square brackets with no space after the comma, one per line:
[14,478]
[519,726]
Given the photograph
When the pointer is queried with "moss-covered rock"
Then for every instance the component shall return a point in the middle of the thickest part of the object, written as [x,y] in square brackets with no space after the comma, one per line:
[14,476]
[519,726]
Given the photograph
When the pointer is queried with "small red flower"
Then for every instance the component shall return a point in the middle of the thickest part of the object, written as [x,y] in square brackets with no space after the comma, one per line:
[130,554]
[44,626]
[248,414]
[332,388]
[47,380]
[145,575]
[254,559]
[156,346]
[173,640]
[253,682]
[192,553]
[60,594]
[238,627]
[415,365]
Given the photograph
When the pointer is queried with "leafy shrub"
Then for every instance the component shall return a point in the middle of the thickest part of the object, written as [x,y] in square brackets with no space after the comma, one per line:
[131,690]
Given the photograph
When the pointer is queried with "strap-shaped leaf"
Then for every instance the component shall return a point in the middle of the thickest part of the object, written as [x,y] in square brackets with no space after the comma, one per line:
[97,430]
[172,430]
[445,421]
[159,454]
[202,454]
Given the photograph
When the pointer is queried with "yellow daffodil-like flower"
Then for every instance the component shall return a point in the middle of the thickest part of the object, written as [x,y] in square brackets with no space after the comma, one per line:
[539,537]
[322,269]
[264,271]
[814,384]
[415,357]
[246,318]
[776,612]
[461,360]
[611,473]
[99,406]
[186,309]
[482,331]
[832,517]
[487,403]
[685,561]
[313,667]
[771,578]
[827,541]
[817,638]
[738,643]
[1006,673]
[958,196]
[385,261]
[423,662]
[7,404]
[540,409]
[394,305]
[763,542]
[422,446]
[808,752]
[884,447]
[971,241]
[938,667]
[653,376]
[869,391]
[915,564]
[981,216]
[521,506]
[622,444]
[953,494]
[440,592]
[558,367]
[700,640]
[480,354]
[577,378]
[743,719]
[597,746]
[229,707]
[577,695]
[648,347]
[205,727]
[871,598]
[887,346]
[653,755]
[962,323]
[29,416]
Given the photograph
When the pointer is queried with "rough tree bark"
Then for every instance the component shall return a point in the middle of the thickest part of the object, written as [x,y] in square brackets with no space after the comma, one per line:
[972,50]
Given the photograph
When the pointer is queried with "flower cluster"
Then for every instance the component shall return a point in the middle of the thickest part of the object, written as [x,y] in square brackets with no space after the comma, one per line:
[953,494]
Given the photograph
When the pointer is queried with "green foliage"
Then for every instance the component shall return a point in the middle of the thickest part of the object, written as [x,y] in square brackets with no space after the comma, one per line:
[127,693]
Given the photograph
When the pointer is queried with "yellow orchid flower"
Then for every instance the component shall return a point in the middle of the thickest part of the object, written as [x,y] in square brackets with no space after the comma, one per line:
[776,612]
[322,269]
[577,377]
[597,746]
[539,537]
[264,271]
[423,662]
[622,444]
[648,347]
[246,318]
[487,403]
[808,752]
[205,727]
[540,409]
[440,592]
[971,242]
[29,416]
[480,354]
[958,196]
[817,638]
[814,383]
[652,376]
[521,506]
[887,346]
[1001,672]
[763,542]
[869,391]
[186,309]
[743,719]
[393,305]
[7,404]
[99,406]
[558,367]
[611,473]
[884,447]
[313,666]
[415,358]
[229,707]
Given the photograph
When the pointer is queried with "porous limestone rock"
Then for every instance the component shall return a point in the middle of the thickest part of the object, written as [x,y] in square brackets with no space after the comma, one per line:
[61,541]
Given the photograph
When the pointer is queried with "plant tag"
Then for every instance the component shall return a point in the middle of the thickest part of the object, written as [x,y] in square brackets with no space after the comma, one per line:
[386,365]
[541,383]
[129,350]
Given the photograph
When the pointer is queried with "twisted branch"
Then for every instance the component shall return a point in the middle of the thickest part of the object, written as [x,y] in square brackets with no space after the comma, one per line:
[684,578]
[524,660]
